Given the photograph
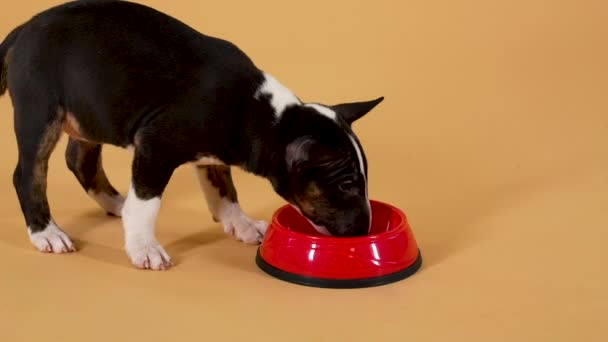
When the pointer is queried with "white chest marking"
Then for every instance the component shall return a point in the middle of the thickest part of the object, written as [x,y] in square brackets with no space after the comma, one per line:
[359,156]
[362,166]
[280,96]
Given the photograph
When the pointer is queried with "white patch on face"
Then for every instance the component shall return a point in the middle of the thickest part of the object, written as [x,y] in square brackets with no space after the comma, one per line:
[139,218]
[52,240]
[359,156]
[280,96]
[327,112]
[235,222]
[362,169]
[109,203]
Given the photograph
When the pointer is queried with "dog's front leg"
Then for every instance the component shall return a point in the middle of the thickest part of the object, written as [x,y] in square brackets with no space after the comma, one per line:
[222,200]
[151,174]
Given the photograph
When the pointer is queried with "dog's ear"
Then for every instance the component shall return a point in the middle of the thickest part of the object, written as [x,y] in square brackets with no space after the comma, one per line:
[298,151]
[352,112]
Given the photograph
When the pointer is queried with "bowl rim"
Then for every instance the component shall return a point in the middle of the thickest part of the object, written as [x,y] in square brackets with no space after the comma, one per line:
[402,225]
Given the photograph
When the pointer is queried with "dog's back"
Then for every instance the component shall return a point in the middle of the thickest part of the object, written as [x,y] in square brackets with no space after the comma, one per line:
[112,62]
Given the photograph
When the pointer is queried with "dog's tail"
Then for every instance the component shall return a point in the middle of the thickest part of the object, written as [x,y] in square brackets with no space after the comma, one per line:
[5,47]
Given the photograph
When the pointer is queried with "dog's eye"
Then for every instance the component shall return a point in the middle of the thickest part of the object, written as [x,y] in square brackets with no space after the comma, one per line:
[346,186]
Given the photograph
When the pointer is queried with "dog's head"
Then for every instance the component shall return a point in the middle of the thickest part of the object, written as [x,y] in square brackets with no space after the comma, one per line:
[323,169]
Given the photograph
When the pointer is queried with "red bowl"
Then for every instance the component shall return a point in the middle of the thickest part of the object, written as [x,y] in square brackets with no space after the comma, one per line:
[294,251]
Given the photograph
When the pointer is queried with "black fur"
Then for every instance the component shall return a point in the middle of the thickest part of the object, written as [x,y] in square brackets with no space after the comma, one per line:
[5,48]
[129,75]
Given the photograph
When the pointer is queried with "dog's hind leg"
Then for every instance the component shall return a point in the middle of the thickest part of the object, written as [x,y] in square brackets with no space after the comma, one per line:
[38,129]
[222,200]
[84,160]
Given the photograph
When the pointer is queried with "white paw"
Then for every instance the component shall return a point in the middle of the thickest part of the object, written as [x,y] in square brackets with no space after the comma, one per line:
[111,204]
[245,229]
[149,256]
[52,240]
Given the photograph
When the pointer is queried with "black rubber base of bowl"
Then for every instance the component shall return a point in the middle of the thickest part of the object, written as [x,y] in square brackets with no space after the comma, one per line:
[338,283]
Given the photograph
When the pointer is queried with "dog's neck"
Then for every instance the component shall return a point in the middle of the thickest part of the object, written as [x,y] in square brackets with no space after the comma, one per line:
[259,151]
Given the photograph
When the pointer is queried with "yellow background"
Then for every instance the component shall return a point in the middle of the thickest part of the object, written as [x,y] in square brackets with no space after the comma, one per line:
[493,138]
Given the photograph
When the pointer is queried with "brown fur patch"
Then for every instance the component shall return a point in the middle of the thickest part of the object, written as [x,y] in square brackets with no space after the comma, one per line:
[311,194]
[221,178]
[4,72]
[72,127]
[137,139]
[313,190]
[47,144]
[306,206]
[101,182]
[84,160]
